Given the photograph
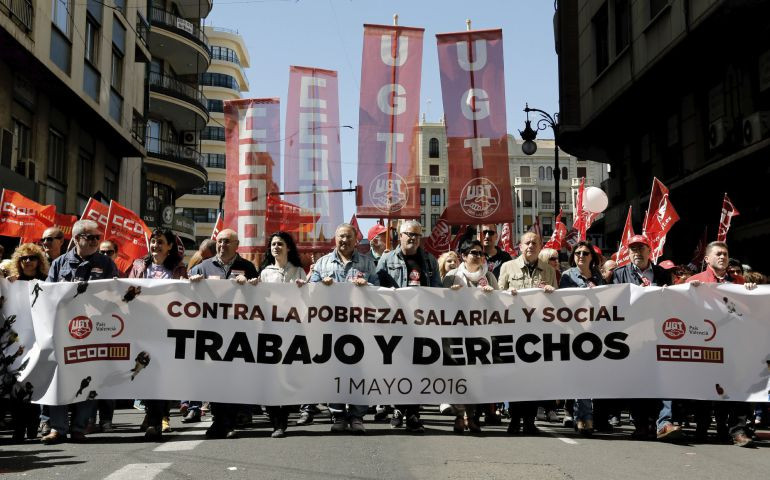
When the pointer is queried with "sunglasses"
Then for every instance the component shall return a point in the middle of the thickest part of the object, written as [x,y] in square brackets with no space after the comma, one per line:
[476,253]
[89,236]
[29,258]
[582,253]
[107,252]
[412,234]
[489,232]
[50,239]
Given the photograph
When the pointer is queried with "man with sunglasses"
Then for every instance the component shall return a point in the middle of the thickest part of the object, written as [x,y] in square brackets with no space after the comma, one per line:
[81,264]
[496,257]
[52,241]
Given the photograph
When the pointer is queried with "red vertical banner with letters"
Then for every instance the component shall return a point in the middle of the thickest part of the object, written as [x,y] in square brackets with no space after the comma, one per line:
[473,91]
[125,228]
[98,212]
[23,217]
[253,149]
[312,154]
[388,120]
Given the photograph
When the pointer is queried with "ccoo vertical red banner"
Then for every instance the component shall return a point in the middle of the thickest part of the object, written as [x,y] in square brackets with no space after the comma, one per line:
[387,126]
[252,135]
[312,153]
[473,91]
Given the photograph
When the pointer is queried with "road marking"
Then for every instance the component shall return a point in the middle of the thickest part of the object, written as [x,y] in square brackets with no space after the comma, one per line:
[146,471]
[552,433]
[177,446]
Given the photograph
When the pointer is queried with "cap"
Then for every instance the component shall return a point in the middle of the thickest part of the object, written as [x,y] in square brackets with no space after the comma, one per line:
[638,239]
[667,264]
[375,230]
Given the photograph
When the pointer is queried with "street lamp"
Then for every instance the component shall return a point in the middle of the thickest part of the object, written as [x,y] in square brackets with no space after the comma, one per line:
[529,147]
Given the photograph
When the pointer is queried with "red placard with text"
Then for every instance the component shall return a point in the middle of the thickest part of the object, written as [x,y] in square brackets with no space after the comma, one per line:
[125,228]
[473,91]
[98,212]
[23,217]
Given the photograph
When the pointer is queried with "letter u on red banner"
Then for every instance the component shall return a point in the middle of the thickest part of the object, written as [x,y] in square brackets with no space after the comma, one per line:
[390,110]
[473,90]
[312,153]
[252,136]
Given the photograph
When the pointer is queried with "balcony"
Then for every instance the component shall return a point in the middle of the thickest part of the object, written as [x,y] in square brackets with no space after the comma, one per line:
[432,179]
[590,182]
[181,104]
[517,181]
[142,48]
[175,165]
[182,44]
[548,207]
[22,12]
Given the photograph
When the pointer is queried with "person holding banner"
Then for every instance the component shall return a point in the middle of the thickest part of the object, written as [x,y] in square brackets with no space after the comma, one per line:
[471,273]
[227,264]
[281,265]
[52,241]
[207,249]
[161,263]
[345,264]
[731,414]
[526,271]
[408,265]
[447,262]
[496,257]
[81,264]
[376,237]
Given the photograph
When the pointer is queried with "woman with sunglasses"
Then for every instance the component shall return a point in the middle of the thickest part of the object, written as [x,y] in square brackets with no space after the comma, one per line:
[551,257]
[281,265]
[583,274]
[473,273]
[163,262]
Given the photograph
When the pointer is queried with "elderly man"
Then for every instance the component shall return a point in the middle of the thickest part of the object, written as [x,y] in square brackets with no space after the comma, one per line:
[81,264]
[641,271]
[608,268]
[345,264]
[496,257]
[526,271]
[52,241]
[408,265]
[227,264]
[376,237]
[731,414]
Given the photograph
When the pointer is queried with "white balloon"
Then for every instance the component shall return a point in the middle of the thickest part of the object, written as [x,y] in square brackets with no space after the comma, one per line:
[595,200]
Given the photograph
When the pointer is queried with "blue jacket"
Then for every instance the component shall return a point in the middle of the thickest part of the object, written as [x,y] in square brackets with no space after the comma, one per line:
[330,265]
[391,269]
[212,268]
[71,268]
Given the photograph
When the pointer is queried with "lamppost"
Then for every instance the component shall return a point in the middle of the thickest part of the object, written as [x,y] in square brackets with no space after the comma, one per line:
[529,147]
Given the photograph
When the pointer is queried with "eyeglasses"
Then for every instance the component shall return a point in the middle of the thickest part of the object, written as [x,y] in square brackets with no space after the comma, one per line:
[489,232]
[89,236]
[476,253]
[28,258]
[412,234]
[582,253]
[107,252]
[50,239]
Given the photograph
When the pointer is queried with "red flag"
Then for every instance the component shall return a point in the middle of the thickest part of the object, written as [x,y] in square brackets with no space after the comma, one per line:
[506,238]
[354,222]
[661,216]
[282,215]
[312,155]
[473,91]
[64,223]
[98,212]
[559,234]
[389,113]
[23,217]
[252,133]
[125,228]
[622,258]
[438,241]
[218,226]
[535,227]
[583,218]
[455,243]
[728,212]
[699,254]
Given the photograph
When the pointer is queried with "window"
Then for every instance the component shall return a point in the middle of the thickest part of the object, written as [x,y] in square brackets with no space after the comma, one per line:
[433,219]
[564,173]
[60,16]
[547,226]
[219,80]
[545,197]
[116,70]
[562,197]
[422,197]
[110,183]
[214,160]
[523,171]
[433,148]
[92,41]
[581,172]
[656,6]
[224,53]
[541,173]
[422,219]
[526,198]
[213,133]
[435,197]
[433,170]
[549,173]
[22,146]
[85,176]
[600,24]
[622,25]
[216,105]
[57,156]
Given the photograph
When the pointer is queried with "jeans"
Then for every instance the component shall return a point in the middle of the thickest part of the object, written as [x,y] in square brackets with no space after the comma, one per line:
[80,413]
[584,409]
[355,411]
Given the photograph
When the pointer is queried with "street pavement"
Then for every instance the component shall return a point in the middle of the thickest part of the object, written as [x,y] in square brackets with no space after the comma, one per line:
[314,453]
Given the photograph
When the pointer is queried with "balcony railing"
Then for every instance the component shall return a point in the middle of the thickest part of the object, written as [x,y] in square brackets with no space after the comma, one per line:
[160,17]
[590,182]
[22,12]
[170,85]
[172,151]
[432,179]
[525,181]
[224,30]
[142,29]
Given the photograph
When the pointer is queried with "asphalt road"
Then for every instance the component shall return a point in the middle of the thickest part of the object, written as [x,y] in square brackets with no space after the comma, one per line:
[315,453]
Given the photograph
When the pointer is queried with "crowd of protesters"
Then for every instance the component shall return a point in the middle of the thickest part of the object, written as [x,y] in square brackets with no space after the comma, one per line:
[478,263]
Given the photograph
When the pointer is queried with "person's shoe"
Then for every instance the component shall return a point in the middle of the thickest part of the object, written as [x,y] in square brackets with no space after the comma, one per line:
[44,428]
[398,419]
[568,421]
[669,431]
[107,427]
[90,427]
[414,425]
[138,405]
[357,426]
[380,413]
[192,416]
[530,429]
[340,425]
[231,434]
[585,427]
[553,417]
[514,427]
[78,437]
[742,440]
[305,418]
[152,434]
[473,426]
[53,438]
[165,425]
[614,422]
[278,433]
[183,409]
[206,407]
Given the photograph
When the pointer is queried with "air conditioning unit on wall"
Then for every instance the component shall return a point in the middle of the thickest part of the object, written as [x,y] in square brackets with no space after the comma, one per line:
[756,127]
[717,133]
[190,137]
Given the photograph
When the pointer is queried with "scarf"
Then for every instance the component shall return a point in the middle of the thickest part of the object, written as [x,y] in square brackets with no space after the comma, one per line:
[472,278]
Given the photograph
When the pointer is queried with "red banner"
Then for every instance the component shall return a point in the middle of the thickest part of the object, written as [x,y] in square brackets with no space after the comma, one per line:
[506,239]
[65,223]
[312,158]
[473,91]
[125,228]
[559,234]
[252,136]
[218,226]
[661,216]
[583,218]
[728,212]
[22,217]
[98,212]
[438,241]
[387,126]
[622,257]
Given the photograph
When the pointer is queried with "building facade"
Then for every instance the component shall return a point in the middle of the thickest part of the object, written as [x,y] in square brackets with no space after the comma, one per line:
[224,80]
[678,90]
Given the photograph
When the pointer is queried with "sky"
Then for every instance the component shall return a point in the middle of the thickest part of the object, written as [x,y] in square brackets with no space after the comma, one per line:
[329,34]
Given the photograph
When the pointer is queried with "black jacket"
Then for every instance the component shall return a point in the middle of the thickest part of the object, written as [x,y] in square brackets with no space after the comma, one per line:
[626,274]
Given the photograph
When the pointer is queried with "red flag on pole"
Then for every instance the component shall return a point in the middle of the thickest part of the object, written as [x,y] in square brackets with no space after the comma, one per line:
[98,212]
[559,234]
[473,92]
[728,212]
[506,238]
[218,226]
[64,223]
[583,218]
[622,257]
[125,228]
[439,239]
[661,216]
[354,222]
[23,217]
[387,127]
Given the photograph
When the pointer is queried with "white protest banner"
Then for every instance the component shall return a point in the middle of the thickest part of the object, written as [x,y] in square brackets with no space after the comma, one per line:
[279,343]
